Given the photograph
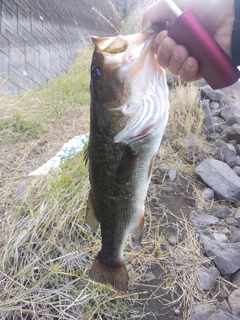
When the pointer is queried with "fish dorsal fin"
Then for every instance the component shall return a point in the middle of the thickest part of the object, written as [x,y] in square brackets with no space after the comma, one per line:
[118,45]
[110,44]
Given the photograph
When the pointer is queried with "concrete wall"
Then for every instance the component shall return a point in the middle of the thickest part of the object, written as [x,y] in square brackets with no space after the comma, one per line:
[40,38]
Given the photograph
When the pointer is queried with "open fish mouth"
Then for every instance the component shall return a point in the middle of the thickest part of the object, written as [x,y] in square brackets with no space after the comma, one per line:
[143,101]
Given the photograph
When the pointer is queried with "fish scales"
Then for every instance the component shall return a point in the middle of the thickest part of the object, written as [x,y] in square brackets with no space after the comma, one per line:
[124,140]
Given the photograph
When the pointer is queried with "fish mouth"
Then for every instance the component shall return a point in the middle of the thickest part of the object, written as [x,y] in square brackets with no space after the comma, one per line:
[147,106]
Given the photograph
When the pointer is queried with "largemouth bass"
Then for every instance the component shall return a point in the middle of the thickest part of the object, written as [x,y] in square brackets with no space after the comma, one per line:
[129,112]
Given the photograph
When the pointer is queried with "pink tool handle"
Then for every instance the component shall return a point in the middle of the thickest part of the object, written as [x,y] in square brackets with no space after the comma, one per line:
[214,64]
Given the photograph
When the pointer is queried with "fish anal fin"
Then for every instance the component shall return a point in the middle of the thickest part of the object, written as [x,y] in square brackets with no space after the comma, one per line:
[91,218]
[126,166]
[137,236]
[117,276]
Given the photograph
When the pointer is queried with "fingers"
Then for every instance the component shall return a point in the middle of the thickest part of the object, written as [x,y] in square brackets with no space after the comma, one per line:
[175,57]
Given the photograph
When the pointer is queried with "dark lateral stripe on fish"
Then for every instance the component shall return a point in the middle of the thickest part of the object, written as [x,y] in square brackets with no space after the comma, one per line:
[117,276]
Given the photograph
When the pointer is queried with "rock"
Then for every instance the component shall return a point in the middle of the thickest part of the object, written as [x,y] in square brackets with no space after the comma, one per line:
[224,134]
[235,236]
[233,143]
[234,133]
[232,222]
[227,154]
[223,294]
[236,278]
[226,231]
[234,302]
[221,212]
[230,111]
[172,174]
[222,315]
[202,219]
[237,160]
[206,312]
[220,127]
[220,143]
[171,233]
[236,169]
[237,215]
[214,105]
[221,178]
[208,194]
[1,175]
[224,306]
[206,278]
[220,237]
[226,255]
[213,136]
[232,120]
[213,95]
[206,107]
[208,125]
[237,148]
[201,311]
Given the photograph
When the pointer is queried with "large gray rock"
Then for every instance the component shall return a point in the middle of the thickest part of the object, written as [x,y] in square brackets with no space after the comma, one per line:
[226,255]
[235,236]
[206,278]
[199,218]
[222,212]
[234,301]
[232,120]
[222,315]
[227,154]
[236,278]
[221,178]
[213,95]
[230,111]
[206,312]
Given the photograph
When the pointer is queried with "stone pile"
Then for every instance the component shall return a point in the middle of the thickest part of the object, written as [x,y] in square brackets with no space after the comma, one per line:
[219,231]
[221,126]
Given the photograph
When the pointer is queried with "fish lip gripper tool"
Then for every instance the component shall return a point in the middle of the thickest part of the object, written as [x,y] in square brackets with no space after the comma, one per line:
[215,66]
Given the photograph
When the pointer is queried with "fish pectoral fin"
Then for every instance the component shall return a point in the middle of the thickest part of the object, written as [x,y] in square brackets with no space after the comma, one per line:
[137,236]
[91,218]
[126,166]
[117,276]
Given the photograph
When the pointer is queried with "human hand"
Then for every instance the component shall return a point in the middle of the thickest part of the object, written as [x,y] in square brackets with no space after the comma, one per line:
[218,20]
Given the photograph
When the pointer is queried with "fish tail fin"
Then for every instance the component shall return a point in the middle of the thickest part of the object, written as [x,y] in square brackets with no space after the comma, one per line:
[117,276]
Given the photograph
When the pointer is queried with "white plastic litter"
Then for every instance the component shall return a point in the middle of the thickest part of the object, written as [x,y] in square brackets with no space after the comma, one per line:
[68,150]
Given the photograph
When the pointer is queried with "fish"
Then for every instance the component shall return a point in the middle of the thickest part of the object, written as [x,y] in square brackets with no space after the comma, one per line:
[128,115]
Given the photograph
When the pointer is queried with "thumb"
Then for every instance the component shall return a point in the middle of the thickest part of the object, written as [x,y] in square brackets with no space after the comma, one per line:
[157,12]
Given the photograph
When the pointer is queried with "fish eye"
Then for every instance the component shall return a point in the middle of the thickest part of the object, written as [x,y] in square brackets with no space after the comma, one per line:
[96,73]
